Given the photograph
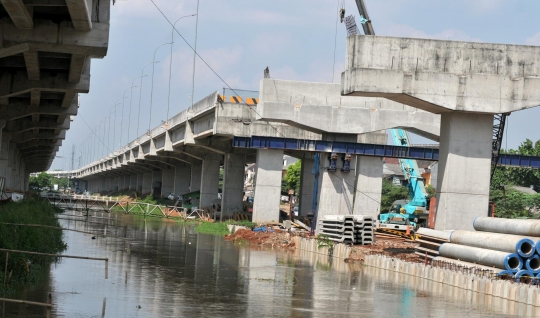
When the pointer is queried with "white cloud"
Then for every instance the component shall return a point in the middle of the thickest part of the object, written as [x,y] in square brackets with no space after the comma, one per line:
[533,40]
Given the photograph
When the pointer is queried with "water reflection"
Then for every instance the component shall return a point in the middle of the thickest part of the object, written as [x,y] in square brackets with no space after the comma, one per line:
[172,271]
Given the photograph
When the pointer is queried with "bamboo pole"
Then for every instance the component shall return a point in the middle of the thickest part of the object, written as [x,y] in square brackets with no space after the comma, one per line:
[5,268]
[65,256]
[47,305]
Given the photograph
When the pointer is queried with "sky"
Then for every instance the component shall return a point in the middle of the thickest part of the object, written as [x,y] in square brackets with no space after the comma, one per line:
[297,40]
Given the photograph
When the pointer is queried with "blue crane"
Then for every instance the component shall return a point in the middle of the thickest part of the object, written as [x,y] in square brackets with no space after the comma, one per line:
[414,210]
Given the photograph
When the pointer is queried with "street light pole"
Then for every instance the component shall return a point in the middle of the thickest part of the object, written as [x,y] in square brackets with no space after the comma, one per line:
[140,94]
[152,89]
[194,56]
[114,126]
[170,63]
[122,120]
[130,100]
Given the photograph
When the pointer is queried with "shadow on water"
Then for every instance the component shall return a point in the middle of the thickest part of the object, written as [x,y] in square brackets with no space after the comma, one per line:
[172,271]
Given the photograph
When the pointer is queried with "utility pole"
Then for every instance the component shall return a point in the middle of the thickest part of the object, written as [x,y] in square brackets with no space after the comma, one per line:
[72,157]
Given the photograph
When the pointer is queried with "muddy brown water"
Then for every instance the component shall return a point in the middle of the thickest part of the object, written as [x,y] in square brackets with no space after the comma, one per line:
[172,271]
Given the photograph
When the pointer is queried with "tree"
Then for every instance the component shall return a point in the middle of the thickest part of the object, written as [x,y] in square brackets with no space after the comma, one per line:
[293,175]
[391,193]
[518,176]
[41,181]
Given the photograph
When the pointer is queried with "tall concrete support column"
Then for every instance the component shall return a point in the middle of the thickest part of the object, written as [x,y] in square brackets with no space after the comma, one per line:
[156,183]
[369,174]
[140,177]
[337,189]
[209,182]
[126,184]
[146,183]
[464,169]
[267,185]
[4,156]
[233,184]
[196,173]
[307,182]
[132,182]
[167,182]
[182,176]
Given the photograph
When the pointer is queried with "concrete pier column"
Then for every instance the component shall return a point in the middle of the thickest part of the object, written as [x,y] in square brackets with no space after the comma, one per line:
[167,182]
[156,183]
[464,169]
[209,182]
[337,189]
[182,178]
[233,184]
[126,184]
[140,177]
[133,182]
[4,156]
[267,185]
[146,184]
[369,174]
[196,172]
[307,181]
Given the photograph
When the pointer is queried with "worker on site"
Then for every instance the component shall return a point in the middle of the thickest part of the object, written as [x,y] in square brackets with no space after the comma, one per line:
[402,211]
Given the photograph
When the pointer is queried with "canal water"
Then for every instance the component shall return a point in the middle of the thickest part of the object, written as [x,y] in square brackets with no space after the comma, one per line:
[172,271]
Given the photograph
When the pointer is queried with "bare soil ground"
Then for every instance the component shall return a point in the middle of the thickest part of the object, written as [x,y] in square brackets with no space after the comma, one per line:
[398,248]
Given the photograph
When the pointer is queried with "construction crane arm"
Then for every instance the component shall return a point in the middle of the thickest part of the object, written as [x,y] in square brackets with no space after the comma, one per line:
[364,18]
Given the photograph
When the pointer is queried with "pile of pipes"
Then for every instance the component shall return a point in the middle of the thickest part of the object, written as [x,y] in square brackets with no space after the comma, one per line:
[505,246]
[349,229]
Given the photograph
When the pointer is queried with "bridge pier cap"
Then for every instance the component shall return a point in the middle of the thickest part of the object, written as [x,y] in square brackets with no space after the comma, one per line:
[442,76]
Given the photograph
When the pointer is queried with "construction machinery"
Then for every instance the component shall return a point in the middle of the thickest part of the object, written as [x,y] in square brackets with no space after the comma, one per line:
[413,212]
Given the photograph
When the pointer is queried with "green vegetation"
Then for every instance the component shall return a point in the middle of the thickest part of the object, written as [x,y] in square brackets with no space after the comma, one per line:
[26,268]
[292,177]
[511,203]
[220,228]
[391,193]
[44,180]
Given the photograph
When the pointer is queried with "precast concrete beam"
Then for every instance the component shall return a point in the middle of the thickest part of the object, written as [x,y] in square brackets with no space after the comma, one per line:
[28,136]
[80,13]
[18,13]
[320,108]
[76,67]
[20,84]
[32,65]
[441,76]
[20,126]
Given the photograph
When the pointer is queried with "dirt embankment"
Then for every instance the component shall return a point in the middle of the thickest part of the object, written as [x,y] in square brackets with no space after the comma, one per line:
[397,247]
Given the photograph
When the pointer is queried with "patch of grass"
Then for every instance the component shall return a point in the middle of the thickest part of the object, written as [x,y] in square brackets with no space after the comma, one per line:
[24,268]
[220,228]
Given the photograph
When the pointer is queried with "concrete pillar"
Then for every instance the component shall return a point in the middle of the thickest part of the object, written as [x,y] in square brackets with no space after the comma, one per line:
[369,174]
[464,169]
[196,173]
[167,182]
[126,178]
[146,183]
[337,189]
[133,182]
[233,184]
[156,183]
[267,185]
[4,155]
[182,176]
[307,181]
[140,177]
[209,182]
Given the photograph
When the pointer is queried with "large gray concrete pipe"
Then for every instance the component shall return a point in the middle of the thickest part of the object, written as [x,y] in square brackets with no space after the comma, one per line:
[524,246]
[503,260]
[467,264]
[443,235]
[529,228]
